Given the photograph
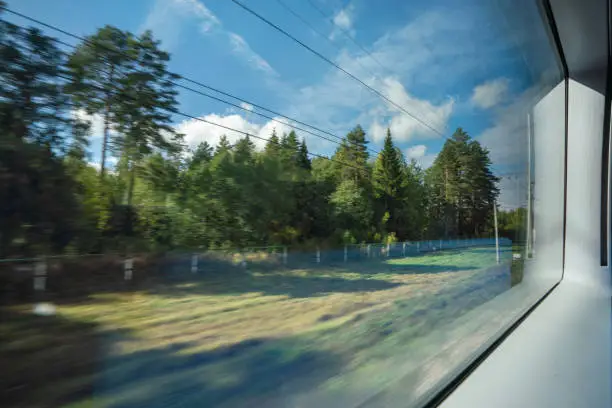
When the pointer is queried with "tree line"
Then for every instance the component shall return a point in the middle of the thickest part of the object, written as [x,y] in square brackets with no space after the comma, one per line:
[164,195]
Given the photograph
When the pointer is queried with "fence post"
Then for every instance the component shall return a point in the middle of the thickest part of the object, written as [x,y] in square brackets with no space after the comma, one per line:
[128,269]
[40,275]
[345,253]
[388,250]
[403,249]
[284,255]
[318,255]
[194,263]
[369,247]
[243,261]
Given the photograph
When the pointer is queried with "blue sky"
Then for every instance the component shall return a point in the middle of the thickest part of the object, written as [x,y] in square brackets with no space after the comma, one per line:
[450,63]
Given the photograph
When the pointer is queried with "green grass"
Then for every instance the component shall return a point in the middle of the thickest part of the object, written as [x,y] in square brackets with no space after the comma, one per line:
[455,259]
[238,337]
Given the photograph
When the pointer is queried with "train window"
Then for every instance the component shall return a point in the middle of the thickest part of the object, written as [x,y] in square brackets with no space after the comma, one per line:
[281,203]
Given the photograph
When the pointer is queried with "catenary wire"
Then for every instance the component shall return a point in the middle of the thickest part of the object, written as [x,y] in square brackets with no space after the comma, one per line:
[347,35]
[324,58]
[307,24]
[337,142]
[180,113]
[81,38]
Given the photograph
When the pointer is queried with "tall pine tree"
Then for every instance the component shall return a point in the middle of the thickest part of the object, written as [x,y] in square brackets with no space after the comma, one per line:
[388,183]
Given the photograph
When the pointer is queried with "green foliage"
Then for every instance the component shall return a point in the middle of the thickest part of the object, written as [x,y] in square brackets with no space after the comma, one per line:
[512,224]
[163,196]
[462,188]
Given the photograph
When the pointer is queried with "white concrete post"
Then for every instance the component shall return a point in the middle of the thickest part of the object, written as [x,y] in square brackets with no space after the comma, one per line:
[194,263]
[345,253]
[40,275]
[388,250]
[318,255]
[403,249]
[128,269]
[369,250]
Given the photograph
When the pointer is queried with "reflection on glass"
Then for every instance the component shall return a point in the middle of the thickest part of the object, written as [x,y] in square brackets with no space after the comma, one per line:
[268,228]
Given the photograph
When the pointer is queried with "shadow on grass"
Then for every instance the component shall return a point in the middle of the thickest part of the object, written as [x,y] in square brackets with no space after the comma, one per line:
[251,373]
[46,361]
[51,361]
[271,284]
[430,269]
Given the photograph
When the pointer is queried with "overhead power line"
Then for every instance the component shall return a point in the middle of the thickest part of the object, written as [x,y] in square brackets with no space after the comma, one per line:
[346,34]
[199,119]
[307,24]
[324,58]
[304,21]
[192,81]
[337,142]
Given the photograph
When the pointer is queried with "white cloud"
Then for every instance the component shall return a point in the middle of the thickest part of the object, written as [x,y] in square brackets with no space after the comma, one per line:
[337,102]
[513,191]
[432,119]
[416,152]
[426,161]
[168,18]
[96,122]
[197,131]
[419,154]
[266,130]
[343,20]
[241,47]
[246,106]
[111,161]
[506,139]
[490,93]
[165,14]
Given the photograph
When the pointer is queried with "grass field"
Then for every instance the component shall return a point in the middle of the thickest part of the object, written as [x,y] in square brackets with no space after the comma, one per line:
[248,338]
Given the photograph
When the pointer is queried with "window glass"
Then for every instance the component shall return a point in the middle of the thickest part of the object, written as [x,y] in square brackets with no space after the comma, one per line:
[283,203]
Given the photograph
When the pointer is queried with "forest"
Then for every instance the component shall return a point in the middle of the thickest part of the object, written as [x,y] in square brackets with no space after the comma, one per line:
[165,195]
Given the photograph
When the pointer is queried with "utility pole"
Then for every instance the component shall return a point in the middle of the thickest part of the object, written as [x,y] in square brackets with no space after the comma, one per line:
[529,186]
[496,234]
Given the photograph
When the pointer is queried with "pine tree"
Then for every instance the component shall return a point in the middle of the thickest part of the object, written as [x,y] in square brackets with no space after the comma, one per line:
[302,157]
[223,146]
[462,187]
[387,182]
[289,149]
[351,157]
[273,145]
[243,150]
[203,153]
[37,199]
[148,96]
[98,68]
